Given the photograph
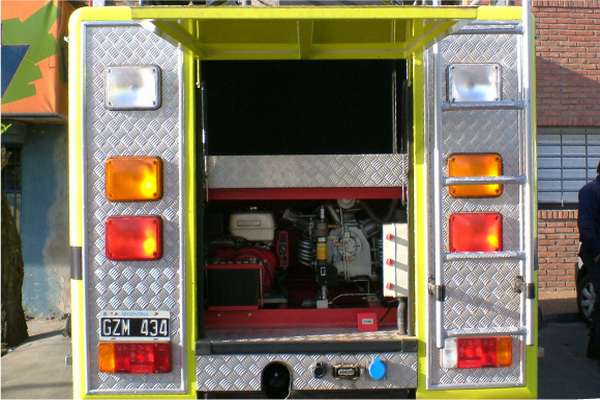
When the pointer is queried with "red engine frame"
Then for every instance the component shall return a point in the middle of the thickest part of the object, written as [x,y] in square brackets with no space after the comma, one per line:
[298,318]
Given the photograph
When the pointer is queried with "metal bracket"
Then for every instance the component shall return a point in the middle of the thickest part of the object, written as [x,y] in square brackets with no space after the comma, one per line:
[518,284]
[174,33]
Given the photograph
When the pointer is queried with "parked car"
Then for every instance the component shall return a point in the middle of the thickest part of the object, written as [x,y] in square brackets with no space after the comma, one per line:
[586,293]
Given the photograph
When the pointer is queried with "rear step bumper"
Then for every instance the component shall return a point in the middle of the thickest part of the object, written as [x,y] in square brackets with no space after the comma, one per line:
[237,365]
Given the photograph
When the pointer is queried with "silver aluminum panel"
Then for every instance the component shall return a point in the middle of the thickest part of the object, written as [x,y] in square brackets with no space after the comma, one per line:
[479,293]
[242,372]
[494,131]
[111,285]
[308,171]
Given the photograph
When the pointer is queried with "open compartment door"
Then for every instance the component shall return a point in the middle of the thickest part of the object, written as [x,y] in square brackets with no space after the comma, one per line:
[228,33]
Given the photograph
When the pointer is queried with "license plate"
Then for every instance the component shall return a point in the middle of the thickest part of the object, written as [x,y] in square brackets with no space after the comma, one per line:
[134,325]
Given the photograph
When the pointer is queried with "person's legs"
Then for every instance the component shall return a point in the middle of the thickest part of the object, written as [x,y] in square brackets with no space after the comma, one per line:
[594,344]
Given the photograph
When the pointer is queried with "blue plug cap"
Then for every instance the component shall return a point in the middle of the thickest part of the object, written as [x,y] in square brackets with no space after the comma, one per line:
[377,369]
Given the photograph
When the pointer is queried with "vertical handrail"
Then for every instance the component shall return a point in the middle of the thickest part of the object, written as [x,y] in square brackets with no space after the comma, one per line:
[528,165]
[437,185]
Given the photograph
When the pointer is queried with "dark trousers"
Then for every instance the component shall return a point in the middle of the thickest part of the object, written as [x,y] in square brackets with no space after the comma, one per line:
[594,274]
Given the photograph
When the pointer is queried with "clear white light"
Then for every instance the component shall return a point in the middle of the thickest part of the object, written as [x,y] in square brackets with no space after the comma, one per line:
[473,82]
[449,354]
[132,87]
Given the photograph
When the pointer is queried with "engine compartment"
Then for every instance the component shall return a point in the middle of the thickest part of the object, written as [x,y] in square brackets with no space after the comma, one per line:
[307,255]
[306,170]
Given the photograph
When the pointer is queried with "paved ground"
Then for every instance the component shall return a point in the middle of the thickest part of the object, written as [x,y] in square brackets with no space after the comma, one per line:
[37,369]
[564,371]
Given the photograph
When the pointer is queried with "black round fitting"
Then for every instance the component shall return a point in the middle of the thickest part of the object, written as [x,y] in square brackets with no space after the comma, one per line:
[320,370]
[276,381]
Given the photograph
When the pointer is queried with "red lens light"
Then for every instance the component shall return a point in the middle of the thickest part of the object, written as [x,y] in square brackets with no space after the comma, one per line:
[134,358]
[134,238]
[484,352]
[475,232]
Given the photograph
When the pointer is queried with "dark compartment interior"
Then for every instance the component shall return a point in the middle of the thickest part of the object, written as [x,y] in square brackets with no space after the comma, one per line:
[303,107]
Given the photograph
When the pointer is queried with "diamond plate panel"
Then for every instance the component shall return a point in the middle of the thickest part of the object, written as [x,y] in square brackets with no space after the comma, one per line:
[483,131]
[223,373]
[479,296]
[483,49]
[352,170]
[131,285]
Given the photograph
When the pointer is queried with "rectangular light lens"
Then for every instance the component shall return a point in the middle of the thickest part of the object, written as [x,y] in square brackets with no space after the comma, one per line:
[469,165]
[132,87]
[135,238]
[473,82]
[133,178]
[475,232]
[134,358]
[477,352]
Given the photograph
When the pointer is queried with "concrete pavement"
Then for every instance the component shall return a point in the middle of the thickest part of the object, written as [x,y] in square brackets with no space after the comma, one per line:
[37,368]
[564,371]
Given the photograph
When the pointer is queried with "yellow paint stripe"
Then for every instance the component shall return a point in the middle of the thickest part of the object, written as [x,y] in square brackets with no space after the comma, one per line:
[190,215]
[75,139]
[495,13]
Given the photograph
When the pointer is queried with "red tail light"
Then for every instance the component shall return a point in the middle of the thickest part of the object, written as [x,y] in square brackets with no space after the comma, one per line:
[478,352]
[475,232]
[134,358]
[134,238]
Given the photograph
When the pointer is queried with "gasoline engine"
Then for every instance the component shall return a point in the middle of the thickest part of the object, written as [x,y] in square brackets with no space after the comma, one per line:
[335,245]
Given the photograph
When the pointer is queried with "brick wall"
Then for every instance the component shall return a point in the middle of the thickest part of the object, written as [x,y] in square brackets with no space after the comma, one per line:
[568,62]
[558,243]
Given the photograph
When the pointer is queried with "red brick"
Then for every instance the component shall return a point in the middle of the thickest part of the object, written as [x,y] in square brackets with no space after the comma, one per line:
[558,243]
[568,57]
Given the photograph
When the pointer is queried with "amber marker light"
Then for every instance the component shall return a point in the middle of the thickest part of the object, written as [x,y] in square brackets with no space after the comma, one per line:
[475,164]
[133,178]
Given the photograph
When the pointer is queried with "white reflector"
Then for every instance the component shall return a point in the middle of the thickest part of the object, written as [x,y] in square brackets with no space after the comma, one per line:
[132,87]
[450,353]
[473,82]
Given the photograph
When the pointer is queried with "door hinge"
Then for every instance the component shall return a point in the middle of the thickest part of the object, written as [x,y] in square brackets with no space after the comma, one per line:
[519,286]
[437,291]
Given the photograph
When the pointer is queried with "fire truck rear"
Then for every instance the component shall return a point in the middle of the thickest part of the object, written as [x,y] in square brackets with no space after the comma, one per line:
[310,199]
